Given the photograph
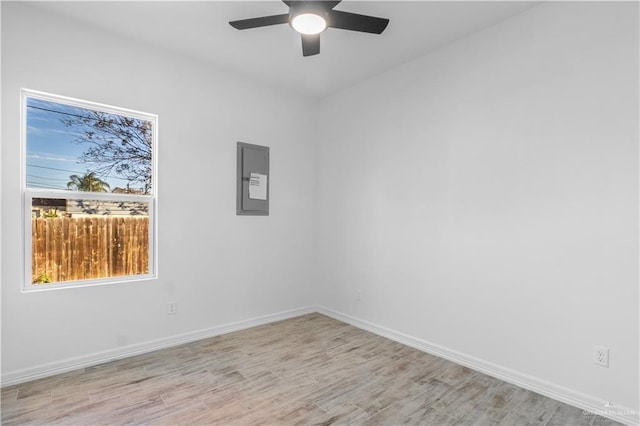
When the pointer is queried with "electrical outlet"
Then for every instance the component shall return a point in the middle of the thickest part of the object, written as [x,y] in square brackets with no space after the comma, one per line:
[358,295]
[173,308]
[601,356]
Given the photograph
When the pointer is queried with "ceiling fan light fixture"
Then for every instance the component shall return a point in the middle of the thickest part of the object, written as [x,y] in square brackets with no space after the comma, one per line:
[308,23]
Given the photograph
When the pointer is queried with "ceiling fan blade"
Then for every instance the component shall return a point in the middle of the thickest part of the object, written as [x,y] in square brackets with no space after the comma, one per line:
[355,22]
[263,21]
[310,44]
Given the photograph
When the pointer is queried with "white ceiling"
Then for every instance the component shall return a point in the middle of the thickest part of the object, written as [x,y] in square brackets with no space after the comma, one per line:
[273,54]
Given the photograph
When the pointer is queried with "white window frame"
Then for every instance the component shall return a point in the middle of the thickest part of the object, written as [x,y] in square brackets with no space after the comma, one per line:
[30,193]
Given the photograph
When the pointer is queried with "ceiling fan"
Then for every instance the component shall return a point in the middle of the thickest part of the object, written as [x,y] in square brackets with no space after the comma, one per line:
[312,17]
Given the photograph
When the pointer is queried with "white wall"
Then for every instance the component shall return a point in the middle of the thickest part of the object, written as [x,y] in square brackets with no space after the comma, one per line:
[204,248]
[484,198]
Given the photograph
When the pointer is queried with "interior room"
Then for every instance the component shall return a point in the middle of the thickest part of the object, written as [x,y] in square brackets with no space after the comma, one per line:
[455,192]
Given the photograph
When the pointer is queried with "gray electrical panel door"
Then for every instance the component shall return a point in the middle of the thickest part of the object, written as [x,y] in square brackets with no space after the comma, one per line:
[252,180]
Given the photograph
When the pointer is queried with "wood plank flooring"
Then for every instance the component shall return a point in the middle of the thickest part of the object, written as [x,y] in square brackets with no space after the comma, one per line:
[309,370]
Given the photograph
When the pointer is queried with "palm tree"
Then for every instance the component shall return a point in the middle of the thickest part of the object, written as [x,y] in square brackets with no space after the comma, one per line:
[88,183]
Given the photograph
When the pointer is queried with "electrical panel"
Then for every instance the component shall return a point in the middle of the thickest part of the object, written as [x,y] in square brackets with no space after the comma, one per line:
[252,180]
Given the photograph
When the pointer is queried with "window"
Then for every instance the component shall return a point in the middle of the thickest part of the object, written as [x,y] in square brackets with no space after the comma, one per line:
[89,192]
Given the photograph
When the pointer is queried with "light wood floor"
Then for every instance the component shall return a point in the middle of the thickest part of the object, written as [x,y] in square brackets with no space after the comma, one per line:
[307,370]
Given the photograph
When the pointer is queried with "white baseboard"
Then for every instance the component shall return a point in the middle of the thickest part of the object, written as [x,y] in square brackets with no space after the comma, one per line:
[551,390]
[70,364]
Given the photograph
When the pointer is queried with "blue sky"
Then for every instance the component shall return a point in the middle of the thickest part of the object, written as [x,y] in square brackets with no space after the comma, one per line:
[52,154]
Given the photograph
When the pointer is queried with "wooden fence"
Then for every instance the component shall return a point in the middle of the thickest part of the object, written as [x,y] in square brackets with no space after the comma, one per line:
[78,248]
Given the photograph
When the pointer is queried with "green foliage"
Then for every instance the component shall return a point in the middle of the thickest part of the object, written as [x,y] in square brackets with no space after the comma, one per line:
[51,213]
[42,279]
[88,182]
